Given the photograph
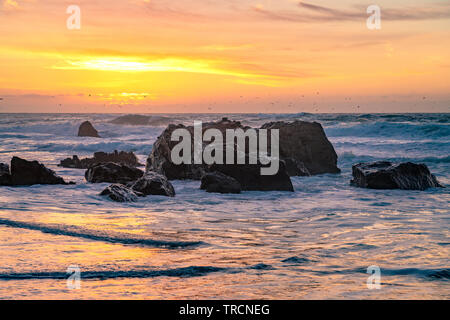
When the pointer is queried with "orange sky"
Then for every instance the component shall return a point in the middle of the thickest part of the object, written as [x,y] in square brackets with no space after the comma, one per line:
[224,56]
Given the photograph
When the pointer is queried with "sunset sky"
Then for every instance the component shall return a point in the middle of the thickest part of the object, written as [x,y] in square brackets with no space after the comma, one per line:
[153,56]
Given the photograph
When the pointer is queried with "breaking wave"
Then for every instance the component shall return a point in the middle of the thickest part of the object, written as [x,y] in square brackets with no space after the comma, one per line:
[193,271]
[78,232]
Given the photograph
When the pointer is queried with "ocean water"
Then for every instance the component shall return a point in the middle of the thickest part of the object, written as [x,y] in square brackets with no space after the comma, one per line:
[315,243]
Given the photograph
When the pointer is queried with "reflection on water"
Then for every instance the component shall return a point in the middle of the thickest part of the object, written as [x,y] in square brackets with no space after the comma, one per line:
[314,243]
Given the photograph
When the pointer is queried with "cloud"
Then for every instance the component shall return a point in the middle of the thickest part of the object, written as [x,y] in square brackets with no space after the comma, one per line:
[316,13]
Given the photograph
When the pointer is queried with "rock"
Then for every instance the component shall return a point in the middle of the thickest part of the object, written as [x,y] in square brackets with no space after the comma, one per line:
[113,173]
[153,183]
[307,144]
[295,167]
[160,159]
[127,158]
[388,175]
[5,176]
[303,146]
[87,130]
[250,178]
[119,193]
[25,173]
[217,182]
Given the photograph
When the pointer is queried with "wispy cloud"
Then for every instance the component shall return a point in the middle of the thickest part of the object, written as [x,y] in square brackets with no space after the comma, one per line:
[316,13]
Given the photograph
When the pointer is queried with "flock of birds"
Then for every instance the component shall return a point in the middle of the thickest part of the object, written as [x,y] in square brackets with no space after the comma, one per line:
[268,107]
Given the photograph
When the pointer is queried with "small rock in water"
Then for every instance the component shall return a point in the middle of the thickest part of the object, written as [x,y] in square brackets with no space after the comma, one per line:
[87,130]
[250,178]
[119,193]
[153,183]
[218,182]
[388,175]
[27,173]
[113,173]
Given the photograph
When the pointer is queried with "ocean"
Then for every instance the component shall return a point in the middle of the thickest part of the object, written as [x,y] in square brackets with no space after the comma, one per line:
[315,243]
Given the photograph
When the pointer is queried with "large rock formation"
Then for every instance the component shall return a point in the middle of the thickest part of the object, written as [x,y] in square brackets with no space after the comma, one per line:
[388,175]
[304,145]
[122,157]
[113,173]
[5,175]
[160,158]
[153,183]
[218,182]
[25,173]
[304,148]
[119,193]
[87,130]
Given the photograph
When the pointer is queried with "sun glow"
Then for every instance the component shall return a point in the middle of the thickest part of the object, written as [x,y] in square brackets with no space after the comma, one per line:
[161,65]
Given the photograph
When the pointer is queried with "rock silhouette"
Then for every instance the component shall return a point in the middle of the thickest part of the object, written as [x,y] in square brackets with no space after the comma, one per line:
[218,182]
[87,130]
[388,175]
[27,173]
[119,193]
[113,173]
[153,183]
[127,158]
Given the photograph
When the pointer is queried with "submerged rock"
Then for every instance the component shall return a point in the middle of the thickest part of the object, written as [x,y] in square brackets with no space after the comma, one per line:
[87,130]
[120,193]
[140,120]
[122,157]
[132,119]
[153,183]
[25,173]
[113,173]
[388,175]
[307,146]
[218,182]
[5,176]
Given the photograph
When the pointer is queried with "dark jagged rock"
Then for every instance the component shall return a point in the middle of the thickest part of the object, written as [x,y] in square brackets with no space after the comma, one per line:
[87,130]
[127,158]
[153,183]
[388,175]
[217,182]
[119,193]
[308,145]
[5,176]
[113,173]
[25,173]
[250,178]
